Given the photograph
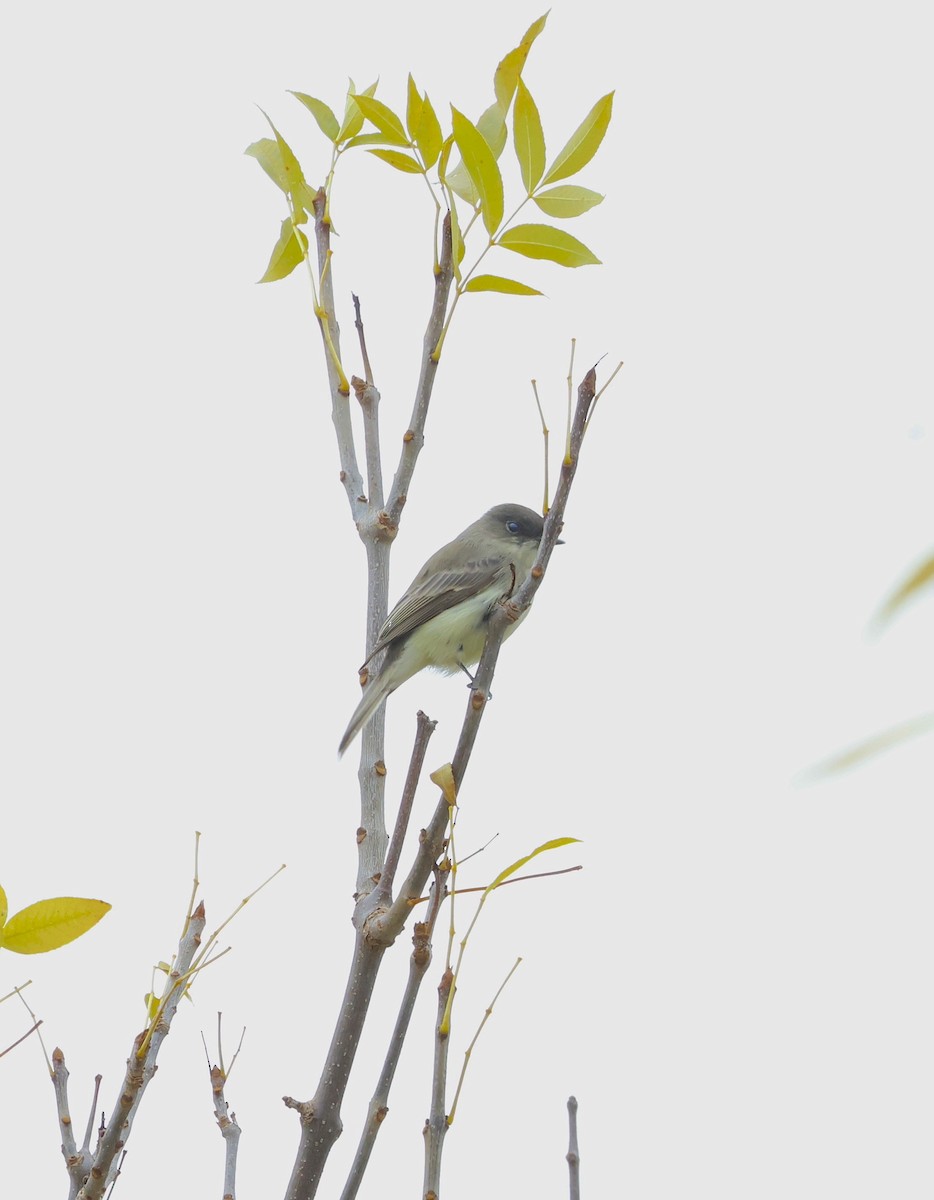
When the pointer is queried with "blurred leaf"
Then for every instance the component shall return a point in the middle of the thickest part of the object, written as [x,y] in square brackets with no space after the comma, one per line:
[528,138]
[459,182]
[554,844]
[286,254]
[481,166]
[567,200]
[402,162]
[872,746]
[544,241]
[382,116]
[353,115]
[921,577]
[427,135]
[48,924]
[496,283]
[583,142]
[327,122]
[4,907]
[492,125]
[507,73]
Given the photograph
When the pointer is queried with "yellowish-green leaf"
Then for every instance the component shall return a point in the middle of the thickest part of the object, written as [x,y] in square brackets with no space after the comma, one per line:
[492,125]
[553,844]
[528,138]
[496,283]
[4,907]
[402,162]
[413,108]
[481,166]
[583,143]
[887,740]
[567,200]
[382,116]
[922,577]
[287,253]
[266,152]
[375,139]
[458,248]
[427,135]
[353,115]
[444,158]
[443,777]
[544,241]
[287,173]
[48,924]
[510,68]
[327,122]
[459,181]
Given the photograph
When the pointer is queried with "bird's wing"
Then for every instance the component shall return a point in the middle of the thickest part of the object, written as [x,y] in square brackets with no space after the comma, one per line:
[437,591]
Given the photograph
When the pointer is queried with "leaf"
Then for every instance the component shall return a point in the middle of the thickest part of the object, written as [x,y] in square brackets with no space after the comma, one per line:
[48,924]
[459,181]
[428,135]
[375,139]
[4,908]
[445,158]
[266,153]
[327,122]
[382,116]
[285,171]
[507,73]
[402,162]
[286,254]
[567,200]
[528,138]
[481,166]
[413,108]
[444,778]
[553,844]
[458,249]
[492,125]
[584,142]
[544,241]
[353,116]
[496,283]
[921,577]
[872,746]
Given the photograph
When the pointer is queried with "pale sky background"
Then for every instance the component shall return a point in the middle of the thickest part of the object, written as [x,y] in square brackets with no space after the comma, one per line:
[738,986]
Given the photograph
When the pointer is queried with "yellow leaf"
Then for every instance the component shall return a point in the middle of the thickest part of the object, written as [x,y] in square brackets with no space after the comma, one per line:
[528,138]
[427,135]
[48,924]
[553,844]
[4,908]
[567,200]
[544,241]
[353,116]
[286,254]
[382,116]
[921,577]
[402,162]
[584,142]
[444,778]
[481,166]
[327,122]
[510,68]
[496,283]
[492,124]
[413,108]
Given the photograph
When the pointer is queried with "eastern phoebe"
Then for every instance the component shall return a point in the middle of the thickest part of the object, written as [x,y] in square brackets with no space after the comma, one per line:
[441,620]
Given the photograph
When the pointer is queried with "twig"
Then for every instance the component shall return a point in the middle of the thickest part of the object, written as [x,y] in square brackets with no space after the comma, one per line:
[13,1045]
[226,1120]
[436,1125]
[545,435]
[424,729]
[469,1051]
[573,1154]
[358,323]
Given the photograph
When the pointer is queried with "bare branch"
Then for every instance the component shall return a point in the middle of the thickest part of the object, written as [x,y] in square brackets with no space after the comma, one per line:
[437,1124]
[573,1155]
[230,1131]
[424,729]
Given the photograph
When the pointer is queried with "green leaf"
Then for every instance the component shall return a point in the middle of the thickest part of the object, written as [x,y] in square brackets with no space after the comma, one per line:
[528,138]
[481,166]
[286,173]
[496,283]
[458,249]
[445,157]
[402,162]
[287,253]
[266,153]
[428,135]
[459,181]
[567,200]
[492,125]
[584,142]
[48,924]
[382,116]
[544,241]
[353,116]
[327,122]
[507,73]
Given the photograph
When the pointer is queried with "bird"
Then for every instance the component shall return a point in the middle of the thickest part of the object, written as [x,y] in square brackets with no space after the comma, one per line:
[441,620]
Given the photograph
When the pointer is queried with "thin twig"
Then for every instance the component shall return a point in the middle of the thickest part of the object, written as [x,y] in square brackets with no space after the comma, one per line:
[13,1045]
[424,729]
[573,1154]
[469,1051]
[358,323]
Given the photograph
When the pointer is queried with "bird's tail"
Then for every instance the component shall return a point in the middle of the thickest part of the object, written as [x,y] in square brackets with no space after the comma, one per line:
[373,697]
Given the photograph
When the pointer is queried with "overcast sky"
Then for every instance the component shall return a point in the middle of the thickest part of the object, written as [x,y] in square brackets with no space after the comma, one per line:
[738,985]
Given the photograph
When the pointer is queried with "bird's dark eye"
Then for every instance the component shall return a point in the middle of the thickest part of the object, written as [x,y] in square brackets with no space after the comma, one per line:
[512,526]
